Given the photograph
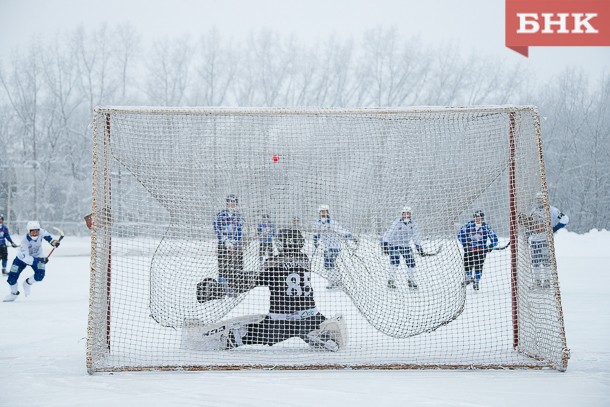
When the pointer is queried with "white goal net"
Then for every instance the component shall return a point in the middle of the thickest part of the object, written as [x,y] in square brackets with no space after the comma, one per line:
[419,247]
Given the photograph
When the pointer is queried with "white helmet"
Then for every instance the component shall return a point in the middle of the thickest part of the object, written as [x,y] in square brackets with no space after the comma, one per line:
[323,207]
[540,199]
[407,209]
[32,225]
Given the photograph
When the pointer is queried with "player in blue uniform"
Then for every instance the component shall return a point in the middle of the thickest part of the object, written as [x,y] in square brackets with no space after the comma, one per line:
[266,233]
[30,254]
[477,238]
[229,226]
[330,233]
[535,224]
[396,242]
[5,236]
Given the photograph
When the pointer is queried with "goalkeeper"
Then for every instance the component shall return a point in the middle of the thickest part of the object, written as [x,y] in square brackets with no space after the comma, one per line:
[292,310]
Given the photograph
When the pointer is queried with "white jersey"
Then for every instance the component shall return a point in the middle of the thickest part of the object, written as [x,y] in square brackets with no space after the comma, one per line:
[330,233]
[31,248]
[401,233]
[538,215]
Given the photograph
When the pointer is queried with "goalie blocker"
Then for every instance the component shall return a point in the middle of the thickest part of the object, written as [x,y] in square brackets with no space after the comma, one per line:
[292,311]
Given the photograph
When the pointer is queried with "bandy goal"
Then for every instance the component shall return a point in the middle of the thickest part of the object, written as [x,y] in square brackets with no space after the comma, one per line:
[229,238]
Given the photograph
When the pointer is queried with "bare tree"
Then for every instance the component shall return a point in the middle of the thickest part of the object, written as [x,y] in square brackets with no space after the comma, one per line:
[269,62]
[215,70]
[127,50]
[93,61]
[168,69]
[22,87]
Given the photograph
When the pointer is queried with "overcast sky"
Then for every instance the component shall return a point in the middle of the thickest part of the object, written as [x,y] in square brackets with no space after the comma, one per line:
[472,25]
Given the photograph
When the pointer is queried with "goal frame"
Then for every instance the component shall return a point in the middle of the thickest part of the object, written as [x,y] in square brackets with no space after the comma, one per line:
[102,224]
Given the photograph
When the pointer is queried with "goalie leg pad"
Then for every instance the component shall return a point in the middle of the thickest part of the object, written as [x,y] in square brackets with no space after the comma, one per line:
[331,336]
[221,335]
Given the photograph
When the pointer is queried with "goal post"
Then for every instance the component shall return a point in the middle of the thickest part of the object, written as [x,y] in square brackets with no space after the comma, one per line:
[189,205]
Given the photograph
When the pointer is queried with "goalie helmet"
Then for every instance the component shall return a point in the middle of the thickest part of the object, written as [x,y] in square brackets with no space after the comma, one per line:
[33,225]
[323,207]
[290,240]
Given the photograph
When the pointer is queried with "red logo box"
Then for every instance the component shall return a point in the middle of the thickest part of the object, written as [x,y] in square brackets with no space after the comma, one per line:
[557,23]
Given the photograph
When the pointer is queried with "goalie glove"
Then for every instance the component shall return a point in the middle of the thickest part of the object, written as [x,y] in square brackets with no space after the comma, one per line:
[209,290]
[55,243]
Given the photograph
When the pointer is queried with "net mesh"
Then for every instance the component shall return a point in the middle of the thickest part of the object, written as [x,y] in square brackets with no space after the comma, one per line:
[161,180]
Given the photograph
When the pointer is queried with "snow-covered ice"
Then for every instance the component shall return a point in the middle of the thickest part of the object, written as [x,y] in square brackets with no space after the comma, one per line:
[42,362]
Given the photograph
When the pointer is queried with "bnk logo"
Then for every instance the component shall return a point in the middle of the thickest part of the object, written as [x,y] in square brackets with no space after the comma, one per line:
[557,23]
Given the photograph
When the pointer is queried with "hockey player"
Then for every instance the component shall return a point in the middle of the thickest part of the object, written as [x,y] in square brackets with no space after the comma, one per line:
[228,226]
[29,254]
[292,310]
[329,233]
[396,242]
[266,233]
[4,237]
[477,238]
[539,246]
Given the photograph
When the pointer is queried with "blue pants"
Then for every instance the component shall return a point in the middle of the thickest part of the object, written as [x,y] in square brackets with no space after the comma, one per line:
[540,253]
[473,261]
[330,257]
[18,267]
[405,252]
[3,255]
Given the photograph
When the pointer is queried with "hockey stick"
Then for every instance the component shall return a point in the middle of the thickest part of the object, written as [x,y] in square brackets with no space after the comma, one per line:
[502,247]
[424,254]
[61,236]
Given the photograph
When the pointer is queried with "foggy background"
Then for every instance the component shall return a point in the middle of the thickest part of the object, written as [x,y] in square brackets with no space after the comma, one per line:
[60,59]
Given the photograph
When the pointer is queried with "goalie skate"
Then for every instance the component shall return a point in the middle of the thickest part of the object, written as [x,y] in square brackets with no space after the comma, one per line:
[331,336]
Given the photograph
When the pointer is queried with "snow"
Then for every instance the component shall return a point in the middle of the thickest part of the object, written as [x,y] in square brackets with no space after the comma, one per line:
[44,339]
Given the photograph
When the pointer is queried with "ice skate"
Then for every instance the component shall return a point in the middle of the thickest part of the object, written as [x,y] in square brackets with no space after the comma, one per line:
[27,287]
[11,297]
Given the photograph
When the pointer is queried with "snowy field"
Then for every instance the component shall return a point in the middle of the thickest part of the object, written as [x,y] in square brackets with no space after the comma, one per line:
[44,339]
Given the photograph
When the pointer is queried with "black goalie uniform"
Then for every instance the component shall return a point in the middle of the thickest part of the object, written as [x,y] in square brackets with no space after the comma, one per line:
[292,312]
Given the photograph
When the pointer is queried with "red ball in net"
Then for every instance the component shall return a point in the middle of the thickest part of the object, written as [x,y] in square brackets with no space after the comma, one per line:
[276,158]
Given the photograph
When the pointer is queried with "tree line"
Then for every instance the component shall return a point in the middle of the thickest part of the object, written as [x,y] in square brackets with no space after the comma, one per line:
[49,89]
